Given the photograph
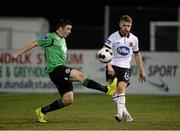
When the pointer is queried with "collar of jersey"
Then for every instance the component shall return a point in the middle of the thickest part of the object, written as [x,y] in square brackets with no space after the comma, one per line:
[59,35]
[123,35]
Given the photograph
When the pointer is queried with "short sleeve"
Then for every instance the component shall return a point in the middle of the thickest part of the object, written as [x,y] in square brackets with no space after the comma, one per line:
[109,41]
[136,45]
[45,40]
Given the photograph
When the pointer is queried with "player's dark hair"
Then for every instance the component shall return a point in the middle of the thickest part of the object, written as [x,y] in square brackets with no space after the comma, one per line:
[63,22]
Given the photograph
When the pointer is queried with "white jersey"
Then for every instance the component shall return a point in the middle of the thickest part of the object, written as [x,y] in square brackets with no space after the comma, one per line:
[122,48]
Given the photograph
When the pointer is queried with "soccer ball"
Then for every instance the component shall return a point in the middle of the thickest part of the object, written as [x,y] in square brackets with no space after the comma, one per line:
[105,55]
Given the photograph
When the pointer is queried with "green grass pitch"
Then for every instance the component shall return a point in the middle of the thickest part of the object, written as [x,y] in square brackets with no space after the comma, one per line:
[89,112]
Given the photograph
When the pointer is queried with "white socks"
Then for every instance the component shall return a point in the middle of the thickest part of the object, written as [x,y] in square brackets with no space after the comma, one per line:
[120,100]
[125,112]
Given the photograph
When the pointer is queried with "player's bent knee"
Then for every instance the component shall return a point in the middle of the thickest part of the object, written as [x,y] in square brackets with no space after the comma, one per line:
[68,98]
[68,101]
[77,75]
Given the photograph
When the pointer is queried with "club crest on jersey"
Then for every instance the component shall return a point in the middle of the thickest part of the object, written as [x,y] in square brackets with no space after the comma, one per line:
[123,50]
[45,37]
[130,44]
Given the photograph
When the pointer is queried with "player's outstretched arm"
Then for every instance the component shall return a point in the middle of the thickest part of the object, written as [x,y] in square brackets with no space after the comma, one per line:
[24,50]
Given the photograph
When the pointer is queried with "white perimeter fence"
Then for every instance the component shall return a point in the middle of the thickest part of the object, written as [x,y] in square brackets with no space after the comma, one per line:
[27,73]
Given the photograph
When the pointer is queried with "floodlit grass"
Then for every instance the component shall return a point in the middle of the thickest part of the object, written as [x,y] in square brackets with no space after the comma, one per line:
[89,112]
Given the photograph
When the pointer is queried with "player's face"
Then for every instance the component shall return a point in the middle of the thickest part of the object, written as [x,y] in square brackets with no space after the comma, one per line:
[66,30]
[125,27]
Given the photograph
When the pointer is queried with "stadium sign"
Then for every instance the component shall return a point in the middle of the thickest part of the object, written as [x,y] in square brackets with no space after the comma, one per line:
[26,74]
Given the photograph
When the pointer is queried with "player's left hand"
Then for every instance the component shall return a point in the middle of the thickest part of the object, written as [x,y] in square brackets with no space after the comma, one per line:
[142,77]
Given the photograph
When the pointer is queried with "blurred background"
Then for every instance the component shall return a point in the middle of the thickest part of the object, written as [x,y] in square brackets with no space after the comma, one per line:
[90,18]
[156,23]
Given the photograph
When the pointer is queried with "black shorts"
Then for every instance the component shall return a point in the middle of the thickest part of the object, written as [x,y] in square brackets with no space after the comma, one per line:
[60,77]
[122,74]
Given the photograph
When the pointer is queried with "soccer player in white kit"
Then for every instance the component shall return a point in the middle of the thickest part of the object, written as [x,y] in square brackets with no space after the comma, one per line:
[123,44]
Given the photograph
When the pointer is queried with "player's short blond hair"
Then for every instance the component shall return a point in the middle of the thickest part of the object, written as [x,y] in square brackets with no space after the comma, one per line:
[126,18]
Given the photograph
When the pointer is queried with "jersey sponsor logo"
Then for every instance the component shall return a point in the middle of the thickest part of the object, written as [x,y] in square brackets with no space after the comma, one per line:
[108,42]
[123,50]
[45,37]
